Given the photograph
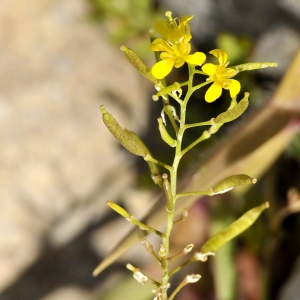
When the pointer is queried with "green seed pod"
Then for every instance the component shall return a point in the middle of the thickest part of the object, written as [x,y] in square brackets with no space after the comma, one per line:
[234,229]
[138,64]
[233,113]
[228,183]
[169,89]
[119,210]
[168,193]
[155,174]
[121,135]
[254,66]
[164,134]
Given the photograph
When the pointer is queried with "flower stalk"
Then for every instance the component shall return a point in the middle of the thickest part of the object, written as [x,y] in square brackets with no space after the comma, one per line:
[174,51]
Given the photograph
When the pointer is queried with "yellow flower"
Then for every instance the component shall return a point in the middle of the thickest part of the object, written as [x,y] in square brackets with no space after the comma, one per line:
[220,75]
[175,46]
[176,30]
[173,56]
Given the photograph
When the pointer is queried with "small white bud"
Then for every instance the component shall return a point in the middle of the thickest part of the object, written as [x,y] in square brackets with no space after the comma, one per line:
[192,278]
[140,277]
[202,256]
[188,248]
[162,251]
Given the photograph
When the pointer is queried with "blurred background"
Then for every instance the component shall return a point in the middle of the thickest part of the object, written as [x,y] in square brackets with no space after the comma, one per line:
[59,61]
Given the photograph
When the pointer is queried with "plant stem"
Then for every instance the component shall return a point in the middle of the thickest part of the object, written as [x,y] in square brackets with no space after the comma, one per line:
[173,183]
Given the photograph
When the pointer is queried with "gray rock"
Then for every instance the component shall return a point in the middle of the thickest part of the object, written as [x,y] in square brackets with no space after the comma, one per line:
[291,6]
[280,44]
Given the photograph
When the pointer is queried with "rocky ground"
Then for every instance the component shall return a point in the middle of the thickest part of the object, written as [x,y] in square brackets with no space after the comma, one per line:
[59,164]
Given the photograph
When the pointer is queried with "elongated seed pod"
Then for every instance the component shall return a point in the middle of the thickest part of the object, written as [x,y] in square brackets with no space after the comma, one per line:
[228,183]
[120,134]
[138,64]
[234,229]
[168,192]
[169,89]
[164,134]
[119,209]
[155,174]
[254,66]
[235,112]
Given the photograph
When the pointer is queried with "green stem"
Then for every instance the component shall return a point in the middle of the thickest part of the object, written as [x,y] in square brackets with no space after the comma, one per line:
[181,266]
[198,124]
[171,117]
[150,158]
[180,286]
[207,192]
[197,87]
[205,135]
[173,183]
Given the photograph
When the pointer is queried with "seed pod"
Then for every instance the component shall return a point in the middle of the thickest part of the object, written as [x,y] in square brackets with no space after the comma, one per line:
[228,183]
[254,66]
[138,64]
[233,113]
[155,174]
[119,209]
[121,135]
[165,135]
[234,229]
[169,89]
[168,192]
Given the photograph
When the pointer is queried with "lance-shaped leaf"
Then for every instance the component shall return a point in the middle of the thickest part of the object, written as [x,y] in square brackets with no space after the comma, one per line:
[121,135]
[251,149]
[234,229]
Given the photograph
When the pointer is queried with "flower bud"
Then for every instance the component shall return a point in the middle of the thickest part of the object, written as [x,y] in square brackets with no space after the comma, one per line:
[121,135]
[234,229]
[138,64]
[228,183]
[192,278]
[233,113]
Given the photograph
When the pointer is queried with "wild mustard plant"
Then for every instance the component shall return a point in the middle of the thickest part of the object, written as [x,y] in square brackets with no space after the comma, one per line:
[174,51]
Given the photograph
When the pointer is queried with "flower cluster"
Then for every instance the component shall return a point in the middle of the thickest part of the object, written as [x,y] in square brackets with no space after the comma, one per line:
[175,50]
[175,47]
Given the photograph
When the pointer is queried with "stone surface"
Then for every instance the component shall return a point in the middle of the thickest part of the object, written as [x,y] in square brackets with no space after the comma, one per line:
[280,43]
[59,164]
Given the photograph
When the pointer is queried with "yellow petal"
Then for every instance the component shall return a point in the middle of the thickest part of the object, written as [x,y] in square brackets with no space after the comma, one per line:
[197,58]
[179,62]
[160,45]
[162,68]
[166,55]
[228,73]
[163,28]
[209,69]
[185,19]
[234,88]
[220,55]
[214,92]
